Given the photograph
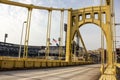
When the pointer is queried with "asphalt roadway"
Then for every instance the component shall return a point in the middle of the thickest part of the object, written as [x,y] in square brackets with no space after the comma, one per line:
[84,72]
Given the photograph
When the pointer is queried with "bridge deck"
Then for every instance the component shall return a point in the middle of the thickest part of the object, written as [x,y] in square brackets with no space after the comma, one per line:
[84,72]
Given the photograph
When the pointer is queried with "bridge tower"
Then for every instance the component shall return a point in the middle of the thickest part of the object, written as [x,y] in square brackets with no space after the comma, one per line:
[74,25]
[79,17]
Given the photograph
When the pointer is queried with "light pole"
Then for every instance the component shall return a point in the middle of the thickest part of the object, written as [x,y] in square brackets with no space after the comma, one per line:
[5,37]
[21,38]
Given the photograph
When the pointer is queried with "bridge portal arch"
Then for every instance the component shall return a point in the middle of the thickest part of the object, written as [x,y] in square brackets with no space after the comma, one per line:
[99,16]
[88,31]
[85,39]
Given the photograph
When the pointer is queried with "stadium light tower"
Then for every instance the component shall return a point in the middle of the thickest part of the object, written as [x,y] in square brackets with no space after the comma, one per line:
[5,37]
[21,38]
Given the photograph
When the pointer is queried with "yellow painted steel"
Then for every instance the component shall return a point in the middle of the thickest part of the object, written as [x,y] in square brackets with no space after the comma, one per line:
[102,40]
[29,5]
[25,55]
[106,29]
[110,71]
[54,64]
[68,40]
[18,63]
[37,63]
[48,34]
[43,64]
[61,34]
[83,44]
[29,63]
[13,63]
[105,26]
[7,64]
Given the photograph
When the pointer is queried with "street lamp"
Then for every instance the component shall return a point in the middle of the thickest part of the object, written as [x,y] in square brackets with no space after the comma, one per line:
[21,38]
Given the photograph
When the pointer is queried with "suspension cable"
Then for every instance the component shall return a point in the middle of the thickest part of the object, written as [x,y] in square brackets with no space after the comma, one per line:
[25,54]
[61,34]
[102,37]
[48,35]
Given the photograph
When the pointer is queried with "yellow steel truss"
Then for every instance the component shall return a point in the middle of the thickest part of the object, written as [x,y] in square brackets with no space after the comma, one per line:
[74,24]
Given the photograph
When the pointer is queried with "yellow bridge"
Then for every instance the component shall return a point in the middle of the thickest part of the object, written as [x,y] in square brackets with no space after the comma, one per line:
[76,18]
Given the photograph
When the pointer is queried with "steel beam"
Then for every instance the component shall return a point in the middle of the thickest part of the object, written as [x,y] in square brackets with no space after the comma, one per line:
[68,40]
[25,55]
[83,43]
[29,5]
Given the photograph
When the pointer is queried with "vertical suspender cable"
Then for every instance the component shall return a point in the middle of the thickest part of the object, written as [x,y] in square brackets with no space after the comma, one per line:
[102,37]
[113,29]
[48,35]
[25,55]
[61,34]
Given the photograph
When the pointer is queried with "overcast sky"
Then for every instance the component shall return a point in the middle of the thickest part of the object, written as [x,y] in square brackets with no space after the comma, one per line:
[12,18]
